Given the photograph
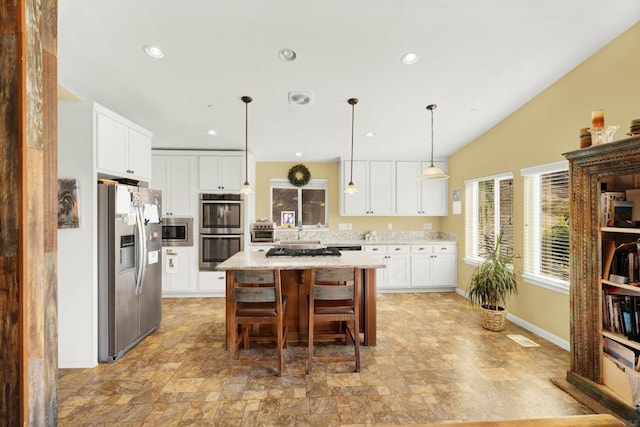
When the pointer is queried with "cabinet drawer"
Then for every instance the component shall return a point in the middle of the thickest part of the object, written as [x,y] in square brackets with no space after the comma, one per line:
[398,249]
[421,249]
[444,248]
[375,249]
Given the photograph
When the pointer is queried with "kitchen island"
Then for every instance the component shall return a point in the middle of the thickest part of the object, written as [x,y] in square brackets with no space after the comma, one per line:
[295,277]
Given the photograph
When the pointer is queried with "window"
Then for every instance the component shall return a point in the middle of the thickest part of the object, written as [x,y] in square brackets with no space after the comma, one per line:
[308,204]
[546,225]
[488,210]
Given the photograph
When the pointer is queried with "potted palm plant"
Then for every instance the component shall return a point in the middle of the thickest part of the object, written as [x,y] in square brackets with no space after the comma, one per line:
[492,282]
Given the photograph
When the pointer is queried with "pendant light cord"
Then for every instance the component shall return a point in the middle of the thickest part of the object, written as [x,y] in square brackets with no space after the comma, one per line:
[352,120]
[431,107]
[246,100]
[352,102]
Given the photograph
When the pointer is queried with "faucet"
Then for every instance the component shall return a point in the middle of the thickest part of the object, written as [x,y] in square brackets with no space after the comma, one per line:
[299,228]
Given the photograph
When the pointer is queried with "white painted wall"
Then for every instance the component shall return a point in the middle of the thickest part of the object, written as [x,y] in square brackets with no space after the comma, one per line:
[77,250]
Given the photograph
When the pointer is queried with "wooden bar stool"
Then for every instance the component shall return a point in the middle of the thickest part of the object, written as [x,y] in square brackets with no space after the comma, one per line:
[335,296]
[257,300]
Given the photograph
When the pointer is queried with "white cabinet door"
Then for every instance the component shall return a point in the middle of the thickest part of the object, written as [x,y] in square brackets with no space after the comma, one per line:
[210,170]
[232,173]
[382,186]
[177,270]
[160,170]
[408,188]
[221,173]
[213,282]
[398,271]
[379,252]
[139,155]
[421,256]
[112,147]
[182,186]
[121,150]
[434,193]
[175,177]
[355,204]
[443,265]
[375,181]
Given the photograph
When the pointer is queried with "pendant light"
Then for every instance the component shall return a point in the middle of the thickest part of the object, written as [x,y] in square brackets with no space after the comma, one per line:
[246,188]
[433,172]
[351,188]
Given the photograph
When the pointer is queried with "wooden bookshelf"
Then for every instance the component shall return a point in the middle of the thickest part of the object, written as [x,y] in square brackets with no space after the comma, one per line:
[616,164]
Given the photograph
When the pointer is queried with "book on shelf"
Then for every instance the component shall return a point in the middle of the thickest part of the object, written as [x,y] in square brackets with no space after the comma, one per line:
[621,313]
[622,213]
[607,205]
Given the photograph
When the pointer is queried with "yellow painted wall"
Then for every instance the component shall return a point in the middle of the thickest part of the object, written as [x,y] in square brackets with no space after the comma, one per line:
[266,171]
[539,133]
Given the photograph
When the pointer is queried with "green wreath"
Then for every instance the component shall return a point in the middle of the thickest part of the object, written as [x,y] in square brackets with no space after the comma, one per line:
[299,175]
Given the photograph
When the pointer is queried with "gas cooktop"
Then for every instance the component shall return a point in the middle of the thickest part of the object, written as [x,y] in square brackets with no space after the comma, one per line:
[302,252]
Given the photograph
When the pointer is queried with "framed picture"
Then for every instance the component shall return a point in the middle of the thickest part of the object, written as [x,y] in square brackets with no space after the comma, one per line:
[68,203]
[288,219]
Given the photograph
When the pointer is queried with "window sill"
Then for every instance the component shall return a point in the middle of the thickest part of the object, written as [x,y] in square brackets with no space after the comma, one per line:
[547,283]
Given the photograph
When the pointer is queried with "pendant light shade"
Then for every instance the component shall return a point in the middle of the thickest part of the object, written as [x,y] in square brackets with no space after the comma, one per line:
[433,172]
[246,187]
[351,187]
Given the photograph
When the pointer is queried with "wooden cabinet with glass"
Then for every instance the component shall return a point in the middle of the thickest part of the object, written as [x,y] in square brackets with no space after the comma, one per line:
[605,331]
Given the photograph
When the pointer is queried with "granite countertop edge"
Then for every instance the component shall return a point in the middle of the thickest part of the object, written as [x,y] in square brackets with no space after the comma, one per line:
[365,242]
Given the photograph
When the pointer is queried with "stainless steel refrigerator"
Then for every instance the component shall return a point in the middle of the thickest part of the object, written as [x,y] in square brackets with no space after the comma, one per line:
[129,267]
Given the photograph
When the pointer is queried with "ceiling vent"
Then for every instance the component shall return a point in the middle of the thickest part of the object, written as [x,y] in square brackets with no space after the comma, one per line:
[299,98]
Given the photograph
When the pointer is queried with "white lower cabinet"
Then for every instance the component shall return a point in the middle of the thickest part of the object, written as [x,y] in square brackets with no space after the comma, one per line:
[213,282]
[179,265]
[428,266]
[433,266]
[397,261]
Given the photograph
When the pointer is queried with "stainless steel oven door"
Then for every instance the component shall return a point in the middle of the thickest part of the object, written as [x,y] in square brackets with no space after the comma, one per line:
[216,248]
[221,216]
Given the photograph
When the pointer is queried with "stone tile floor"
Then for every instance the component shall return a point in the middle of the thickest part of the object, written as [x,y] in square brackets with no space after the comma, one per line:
[433,363]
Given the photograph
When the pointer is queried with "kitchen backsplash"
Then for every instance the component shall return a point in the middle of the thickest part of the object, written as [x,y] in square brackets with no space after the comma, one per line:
[334,236]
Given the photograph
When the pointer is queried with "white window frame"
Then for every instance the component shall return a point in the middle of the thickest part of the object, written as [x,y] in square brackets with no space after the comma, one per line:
[313,184]
[471,214]
[532,235]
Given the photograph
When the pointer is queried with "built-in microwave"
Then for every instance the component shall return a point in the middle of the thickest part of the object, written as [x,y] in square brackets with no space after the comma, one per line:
[177,231]
[221,214]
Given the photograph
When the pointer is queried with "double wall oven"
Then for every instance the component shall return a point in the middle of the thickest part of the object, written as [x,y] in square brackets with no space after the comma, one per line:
[221,228]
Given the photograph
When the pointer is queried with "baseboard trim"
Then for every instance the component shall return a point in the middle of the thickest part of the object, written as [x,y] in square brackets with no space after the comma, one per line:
[554,339]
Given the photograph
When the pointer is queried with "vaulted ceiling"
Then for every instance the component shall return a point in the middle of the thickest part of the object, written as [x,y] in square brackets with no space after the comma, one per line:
[478,60]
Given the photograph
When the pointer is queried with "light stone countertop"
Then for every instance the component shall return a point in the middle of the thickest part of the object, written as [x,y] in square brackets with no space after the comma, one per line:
[365,242]
[247,260]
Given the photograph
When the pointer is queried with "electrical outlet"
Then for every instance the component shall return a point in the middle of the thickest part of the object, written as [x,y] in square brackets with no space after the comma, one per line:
[348,226]
[342,226]
[429,226]
[390,226]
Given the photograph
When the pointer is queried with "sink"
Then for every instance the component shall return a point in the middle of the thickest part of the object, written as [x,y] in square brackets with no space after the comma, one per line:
[300,244]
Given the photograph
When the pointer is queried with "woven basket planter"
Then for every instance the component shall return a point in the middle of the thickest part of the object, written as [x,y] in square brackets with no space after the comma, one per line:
[493,320]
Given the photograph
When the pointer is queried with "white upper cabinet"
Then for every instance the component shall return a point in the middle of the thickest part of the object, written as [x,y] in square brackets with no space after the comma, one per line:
[221,173]
[416,196]
[176,176]
[375,181]
[123,149]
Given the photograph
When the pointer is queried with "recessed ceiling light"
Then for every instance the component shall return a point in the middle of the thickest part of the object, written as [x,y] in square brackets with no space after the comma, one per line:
[410,58]
[287,54]
[153,51]
[211,132]
[369,134]
[299,98]
[297,154]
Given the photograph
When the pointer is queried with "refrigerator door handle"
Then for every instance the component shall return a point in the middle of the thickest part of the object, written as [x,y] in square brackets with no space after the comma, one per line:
[140,247]
[143,232]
